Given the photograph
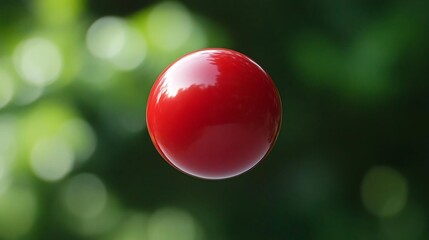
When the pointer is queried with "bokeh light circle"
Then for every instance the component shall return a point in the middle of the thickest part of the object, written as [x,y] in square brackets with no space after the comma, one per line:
[106,37]
[112,38]
[169,25]
[6,88]
[38,61]
[18,211]
[384,191]
[51,159]
[172,223]
[85,196]
[81,138]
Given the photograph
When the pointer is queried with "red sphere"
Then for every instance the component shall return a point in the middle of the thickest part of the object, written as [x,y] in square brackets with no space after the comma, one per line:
[214,113]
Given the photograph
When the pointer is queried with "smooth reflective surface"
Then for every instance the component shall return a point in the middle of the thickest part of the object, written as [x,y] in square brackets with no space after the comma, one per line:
[214,114]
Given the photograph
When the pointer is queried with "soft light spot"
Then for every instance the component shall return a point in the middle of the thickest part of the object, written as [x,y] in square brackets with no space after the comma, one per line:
[6,88]
[134,227]
[85,196]
[113,39]
[107,219]
[8,149]
[43,121]
[54,12]
[171,223]
[169,26]
[384,191]
[410,224]
[5,180]
[8,139]
[107,37]
[38,61]
[131,123]
[133,52]
[18,208]
[51,159]
[81,138]
[27,95]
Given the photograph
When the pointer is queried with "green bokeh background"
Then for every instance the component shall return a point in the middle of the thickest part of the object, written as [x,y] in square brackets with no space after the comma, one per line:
[351,161]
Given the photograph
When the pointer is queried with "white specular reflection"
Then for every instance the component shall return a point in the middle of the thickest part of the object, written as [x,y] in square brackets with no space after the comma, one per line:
[185,75]
[38,61]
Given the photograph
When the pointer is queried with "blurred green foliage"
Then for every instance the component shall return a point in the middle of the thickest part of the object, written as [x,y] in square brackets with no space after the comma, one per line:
[351,161]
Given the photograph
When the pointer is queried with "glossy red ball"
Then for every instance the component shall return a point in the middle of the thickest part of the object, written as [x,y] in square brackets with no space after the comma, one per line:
[214,113]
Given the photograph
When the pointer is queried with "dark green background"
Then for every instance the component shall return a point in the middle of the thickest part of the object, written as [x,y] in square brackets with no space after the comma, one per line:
[351,161]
